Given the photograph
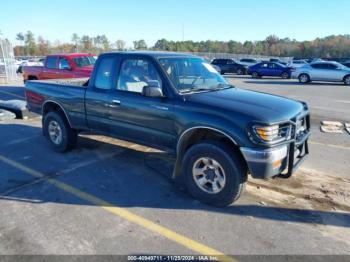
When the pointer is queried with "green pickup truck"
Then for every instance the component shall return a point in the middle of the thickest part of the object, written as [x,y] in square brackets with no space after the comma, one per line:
[180,104]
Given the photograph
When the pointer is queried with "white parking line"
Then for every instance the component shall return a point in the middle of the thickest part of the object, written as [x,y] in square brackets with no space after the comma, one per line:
[329,145]
[20,140]
[342,101]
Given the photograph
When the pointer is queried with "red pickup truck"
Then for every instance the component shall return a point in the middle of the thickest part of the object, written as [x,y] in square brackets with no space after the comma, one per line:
[61,66]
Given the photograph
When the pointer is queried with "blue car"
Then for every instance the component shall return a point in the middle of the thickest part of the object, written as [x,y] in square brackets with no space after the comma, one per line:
[270,69]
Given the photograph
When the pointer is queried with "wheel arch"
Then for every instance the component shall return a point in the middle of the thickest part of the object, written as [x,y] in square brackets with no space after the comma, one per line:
[194,135]
[32,77]
[347,75]
[53,106]
[304,73]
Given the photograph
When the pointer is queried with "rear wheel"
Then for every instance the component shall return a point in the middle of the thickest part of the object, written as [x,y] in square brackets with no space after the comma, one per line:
[58,132]
[213,173]
[255,75]
[285,75]
[304,78]
[240,71]
[347,80]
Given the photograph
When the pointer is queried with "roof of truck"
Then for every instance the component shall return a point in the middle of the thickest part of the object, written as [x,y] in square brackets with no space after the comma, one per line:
[72,54]
[155,54]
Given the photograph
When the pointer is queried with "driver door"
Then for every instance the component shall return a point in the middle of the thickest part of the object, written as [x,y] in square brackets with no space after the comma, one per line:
[145,120]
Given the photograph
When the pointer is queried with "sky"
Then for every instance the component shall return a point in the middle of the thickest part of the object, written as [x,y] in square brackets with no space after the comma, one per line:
[154,19]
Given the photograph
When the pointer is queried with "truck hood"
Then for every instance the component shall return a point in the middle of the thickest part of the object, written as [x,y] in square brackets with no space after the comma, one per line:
[257,106]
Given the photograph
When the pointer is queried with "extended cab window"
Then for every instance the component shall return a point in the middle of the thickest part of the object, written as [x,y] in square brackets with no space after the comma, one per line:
[104,74]
[51,62]
[135,74]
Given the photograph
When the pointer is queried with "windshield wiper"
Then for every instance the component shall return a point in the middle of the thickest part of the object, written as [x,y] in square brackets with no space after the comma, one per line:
[193,89]
[199,89]
[220,86]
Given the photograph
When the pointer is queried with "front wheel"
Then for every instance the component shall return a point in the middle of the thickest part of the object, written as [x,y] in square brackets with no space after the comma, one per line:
[304,78]
[285,76]
[58,132]
[214,174]
[347,80]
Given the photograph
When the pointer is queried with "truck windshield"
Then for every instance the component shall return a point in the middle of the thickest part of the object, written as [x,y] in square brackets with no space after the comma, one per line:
[83,61]
[192,74]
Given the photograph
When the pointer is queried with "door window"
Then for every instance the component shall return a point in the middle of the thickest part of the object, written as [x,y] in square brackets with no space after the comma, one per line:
[104,74]
[51,62]
[332,67]
[320,66]
[135,74]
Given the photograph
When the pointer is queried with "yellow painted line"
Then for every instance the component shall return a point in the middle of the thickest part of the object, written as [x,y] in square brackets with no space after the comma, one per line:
[125,214]
[329,145]
[11,94]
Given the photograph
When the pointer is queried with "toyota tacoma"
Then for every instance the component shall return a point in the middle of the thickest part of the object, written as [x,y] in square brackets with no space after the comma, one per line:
[180,104]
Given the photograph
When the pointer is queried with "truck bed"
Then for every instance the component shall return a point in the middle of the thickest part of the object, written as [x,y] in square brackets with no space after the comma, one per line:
[69,94]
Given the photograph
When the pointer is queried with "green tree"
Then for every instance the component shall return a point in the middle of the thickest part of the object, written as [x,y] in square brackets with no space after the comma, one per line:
[120,45]
[20,37]
[86,43]
[140,45]
[105,43]
[43,46]
[30,44]
[76,41]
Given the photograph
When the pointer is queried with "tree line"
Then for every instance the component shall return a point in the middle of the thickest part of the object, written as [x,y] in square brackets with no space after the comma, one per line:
[336,46]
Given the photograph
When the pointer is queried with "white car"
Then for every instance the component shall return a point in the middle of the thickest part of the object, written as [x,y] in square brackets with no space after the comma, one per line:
[297,63]
[323,71]
[32,62]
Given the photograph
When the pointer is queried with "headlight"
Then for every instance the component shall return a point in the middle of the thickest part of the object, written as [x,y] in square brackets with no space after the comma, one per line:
[272,134]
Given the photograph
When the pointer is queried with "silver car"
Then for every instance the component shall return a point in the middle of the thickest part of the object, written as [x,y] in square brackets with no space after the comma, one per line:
[297,63]
[323,71]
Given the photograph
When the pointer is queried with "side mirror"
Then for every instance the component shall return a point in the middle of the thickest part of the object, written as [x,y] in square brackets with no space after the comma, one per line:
[152,89]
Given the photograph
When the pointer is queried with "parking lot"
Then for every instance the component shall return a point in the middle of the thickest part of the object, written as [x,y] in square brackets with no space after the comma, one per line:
[112,197]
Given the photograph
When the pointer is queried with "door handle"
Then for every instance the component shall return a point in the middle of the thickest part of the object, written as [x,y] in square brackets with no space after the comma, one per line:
[164,108]
[115,103]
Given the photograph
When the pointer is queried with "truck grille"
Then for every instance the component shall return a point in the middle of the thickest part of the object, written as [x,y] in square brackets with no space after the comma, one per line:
[301,127]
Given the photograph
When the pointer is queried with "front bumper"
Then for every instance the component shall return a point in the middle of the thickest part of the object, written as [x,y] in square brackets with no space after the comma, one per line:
[280,161]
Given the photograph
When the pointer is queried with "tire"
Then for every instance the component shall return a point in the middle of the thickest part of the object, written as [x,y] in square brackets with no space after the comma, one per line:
[255,75]
[66,137]
[222,72]
[240,71]
[230,169]
[304,78]
[285,75]
[347,80]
